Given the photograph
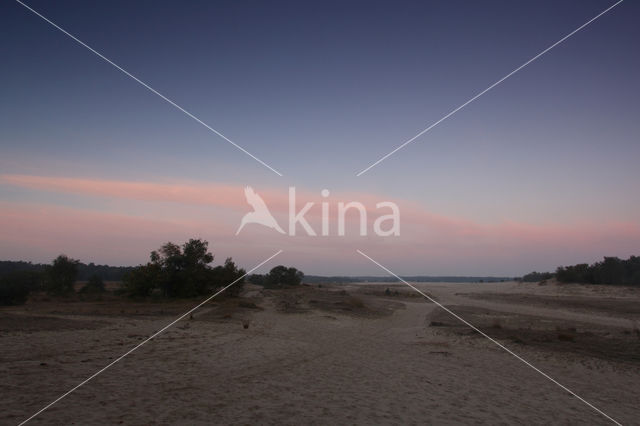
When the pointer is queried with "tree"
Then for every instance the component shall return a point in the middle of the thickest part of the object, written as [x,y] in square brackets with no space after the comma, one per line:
[168,259]
[581,273]
[184,271]
[61,275]
[227,274]
[612,271]
[281,276]
[141,281]
[196,275]
[633,270]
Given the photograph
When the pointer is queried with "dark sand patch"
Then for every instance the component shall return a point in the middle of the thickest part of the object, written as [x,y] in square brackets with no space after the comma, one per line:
[332,299]
[17,323]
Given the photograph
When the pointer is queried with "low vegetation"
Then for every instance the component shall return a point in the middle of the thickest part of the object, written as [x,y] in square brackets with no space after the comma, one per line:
[535,277]
[95,285]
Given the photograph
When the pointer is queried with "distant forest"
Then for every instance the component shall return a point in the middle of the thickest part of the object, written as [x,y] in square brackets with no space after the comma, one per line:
[611,271]
[107,273]
[173,271]
[318,279]
[117,273]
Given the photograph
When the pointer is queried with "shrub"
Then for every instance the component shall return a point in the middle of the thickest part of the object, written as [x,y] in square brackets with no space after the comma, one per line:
[93,286]
[257,279]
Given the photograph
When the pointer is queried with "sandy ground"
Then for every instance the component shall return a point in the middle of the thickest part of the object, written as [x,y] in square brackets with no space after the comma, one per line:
[330,355]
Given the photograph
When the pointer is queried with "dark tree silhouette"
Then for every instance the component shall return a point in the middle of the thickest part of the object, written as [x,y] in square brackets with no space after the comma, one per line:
[61,275]
[143,280]
[611,270]
[176,271]
[536,277]
[228,273]
[16,286]
[281,276]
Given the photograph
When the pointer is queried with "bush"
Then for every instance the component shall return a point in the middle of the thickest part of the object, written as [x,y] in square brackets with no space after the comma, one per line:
[16,286]
[257,279]
[93,286]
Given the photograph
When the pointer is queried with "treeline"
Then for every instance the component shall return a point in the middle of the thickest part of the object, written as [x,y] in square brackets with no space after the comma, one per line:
[19,279]
[173,271]
[105,272]
[610,271]
[279,277]
[535,277]
[85,271]
[319,279]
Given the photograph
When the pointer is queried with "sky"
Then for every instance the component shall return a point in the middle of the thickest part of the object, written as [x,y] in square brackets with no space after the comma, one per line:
[541,171]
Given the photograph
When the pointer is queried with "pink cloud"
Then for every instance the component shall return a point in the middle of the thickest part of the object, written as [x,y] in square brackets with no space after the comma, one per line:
[188,193]
[427,240]
[192,193]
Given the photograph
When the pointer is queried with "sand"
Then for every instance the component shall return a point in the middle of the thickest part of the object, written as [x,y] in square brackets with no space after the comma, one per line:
[331,355]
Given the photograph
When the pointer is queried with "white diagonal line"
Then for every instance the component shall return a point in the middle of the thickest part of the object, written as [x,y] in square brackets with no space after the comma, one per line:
[127,73]
[518,357]
[147,340]
[488,88]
